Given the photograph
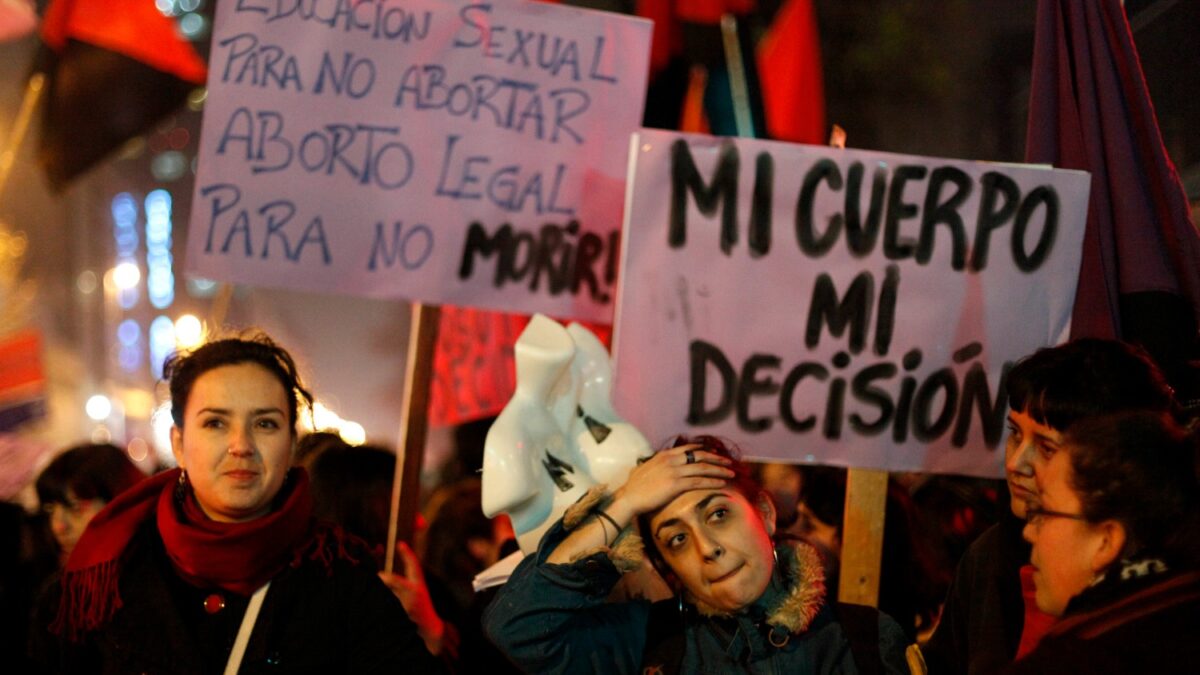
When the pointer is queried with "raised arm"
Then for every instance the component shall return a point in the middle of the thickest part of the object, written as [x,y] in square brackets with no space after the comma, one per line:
[652,485]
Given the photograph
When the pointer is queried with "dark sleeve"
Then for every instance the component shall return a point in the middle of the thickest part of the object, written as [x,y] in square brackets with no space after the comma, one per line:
[946,651]
[984,612]
[552,618]
[893,646]
[49,654]
[43,651]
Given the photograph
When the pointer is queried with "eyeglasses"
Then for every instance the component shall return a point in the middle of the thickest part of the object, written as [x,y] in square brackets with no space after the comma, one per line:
[1036,515]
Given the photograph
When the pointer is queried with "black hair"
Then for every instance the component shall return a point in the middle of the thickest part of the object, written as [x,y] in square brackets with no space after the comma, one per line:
[455,516]
[1138,468]
[352,486]
[312,445]
[91,471]
[1058,386]
[182,369]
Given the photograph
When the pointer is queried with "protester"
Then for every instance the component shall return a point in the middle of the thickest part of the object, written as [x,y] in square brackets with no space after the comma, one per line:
[913,574]
[459,542]
[220,562]
[77,483]
[28,557]
[742,603]
[352,487]
[1115,538]
[989,617]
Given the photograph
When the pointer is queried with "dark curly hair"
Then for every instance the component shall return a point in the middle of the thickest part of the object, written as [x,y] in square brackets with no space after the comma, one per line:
[1058,386]
[182,369]
[92,471]
[1138,468]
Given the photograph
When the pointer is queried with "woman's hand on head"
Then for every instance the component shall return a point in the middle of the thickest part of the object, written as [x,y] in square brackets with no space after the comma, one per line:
[668,474]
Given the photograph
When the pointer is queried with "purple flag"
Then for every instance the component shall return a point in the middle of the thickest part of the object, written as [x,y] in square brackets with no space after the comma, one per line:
[1089,109]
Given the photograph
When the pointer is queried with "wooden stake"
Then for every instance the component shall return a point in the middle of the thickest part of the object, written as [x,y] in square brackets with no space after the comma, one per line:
[33,93]
[862,536]
[410,449]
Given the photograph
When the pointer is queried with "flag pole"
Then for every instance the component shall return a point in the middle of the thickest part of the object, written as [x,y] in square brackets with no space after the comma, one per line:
[738,86]
[414,425]
[864,515]
[33,94]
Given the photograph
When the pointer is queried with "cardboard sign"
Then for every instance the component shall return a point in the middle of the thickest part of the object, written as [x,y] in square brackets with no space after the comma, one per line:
[838,306]
[447,152]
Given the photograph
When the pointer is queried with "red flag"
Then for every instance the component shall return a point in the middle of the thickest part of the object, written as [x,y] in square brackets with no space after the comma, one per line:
[473,370]
[22,380]
[135,28]
[1089,109]
[474,374]
[116,68]
[789,63]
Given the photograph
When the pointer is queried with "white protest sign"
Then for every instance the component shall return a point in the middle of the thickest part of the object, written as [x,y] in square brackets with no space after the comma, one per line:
[446,152]
[838,306]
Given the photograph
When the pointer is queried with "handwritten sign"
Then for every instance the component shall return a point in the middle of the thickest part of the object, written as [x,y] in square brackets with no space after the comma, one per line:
[838,306]
[440,151]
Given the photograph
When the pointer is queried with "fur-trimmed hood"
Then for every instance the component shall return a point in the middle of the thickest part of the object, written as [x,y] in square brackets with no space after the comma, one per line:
[802,571]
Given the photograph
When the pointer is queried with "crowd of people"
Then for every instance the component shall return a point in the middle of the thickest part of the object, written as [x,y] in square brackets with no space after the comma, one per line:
[262,551]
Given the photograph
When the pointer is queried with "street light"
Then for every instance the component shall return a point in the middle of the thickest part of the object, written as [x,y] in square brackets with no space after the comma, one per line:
[98,407]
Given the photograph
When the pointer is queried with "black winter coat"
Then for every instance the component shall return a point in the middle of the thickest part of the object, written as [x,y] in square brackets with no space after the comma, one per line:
[984,614]
[1147,625]
[312,621]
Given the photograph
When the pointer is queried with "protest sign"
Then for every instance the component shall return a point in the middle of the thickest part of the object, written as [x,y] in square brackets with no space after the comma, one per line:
[838,306]
[438,151]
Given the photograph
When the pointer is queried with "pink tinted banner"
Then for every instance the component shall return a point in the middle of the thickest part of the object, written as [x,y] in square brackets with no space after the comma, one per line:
[446,152]
[838,306]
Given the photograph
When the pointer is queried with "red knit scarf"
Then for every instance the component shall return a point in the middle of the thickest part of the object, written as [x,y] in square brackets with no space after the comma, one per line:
[237,557]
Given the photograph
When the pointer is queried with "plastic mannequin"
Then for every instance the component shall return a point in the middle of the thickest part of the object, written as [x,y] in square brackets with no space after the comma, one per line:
[558,435]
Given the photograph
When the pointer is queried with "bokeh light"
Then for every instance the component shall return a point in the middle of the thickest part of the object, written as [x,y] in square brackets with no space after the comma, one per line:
[98,407]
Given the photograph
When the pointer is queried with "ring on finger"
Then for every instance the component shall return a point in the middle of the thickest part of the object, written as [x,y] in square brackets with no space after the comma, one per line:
[691,456]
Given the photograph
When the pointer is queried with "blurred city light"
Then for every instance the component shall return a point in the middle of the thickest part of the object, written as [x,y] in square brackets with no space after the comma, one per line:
[189,332]
[98,407]
[324,419]
[126,275]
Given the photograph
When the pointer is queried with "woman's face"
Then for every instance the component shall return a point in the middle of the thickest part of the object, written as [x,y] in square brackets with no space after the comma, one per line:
[1030,443]
[69,520]
[236,443]
[718,544]
[1068,553]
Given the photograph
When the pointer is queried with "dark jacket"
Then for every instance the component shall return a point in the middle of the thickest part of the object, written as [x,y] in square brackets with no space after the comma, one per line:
[1149,625]
[984,614]
[313,620]
[553,618]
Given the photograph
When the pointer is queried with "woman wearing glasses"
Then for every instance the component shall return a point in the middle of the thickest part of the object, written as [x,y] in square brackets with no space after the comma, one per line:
[1115,539]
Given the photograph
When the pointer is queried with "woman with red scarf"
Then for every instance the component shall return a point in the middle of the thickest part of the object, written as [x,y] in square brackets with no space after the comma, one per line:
[219,565]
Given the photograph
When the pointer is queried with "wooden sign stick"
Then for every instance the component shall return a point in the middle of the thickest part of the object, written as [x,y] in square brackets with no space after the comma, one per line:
[862,536]
[414,425]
